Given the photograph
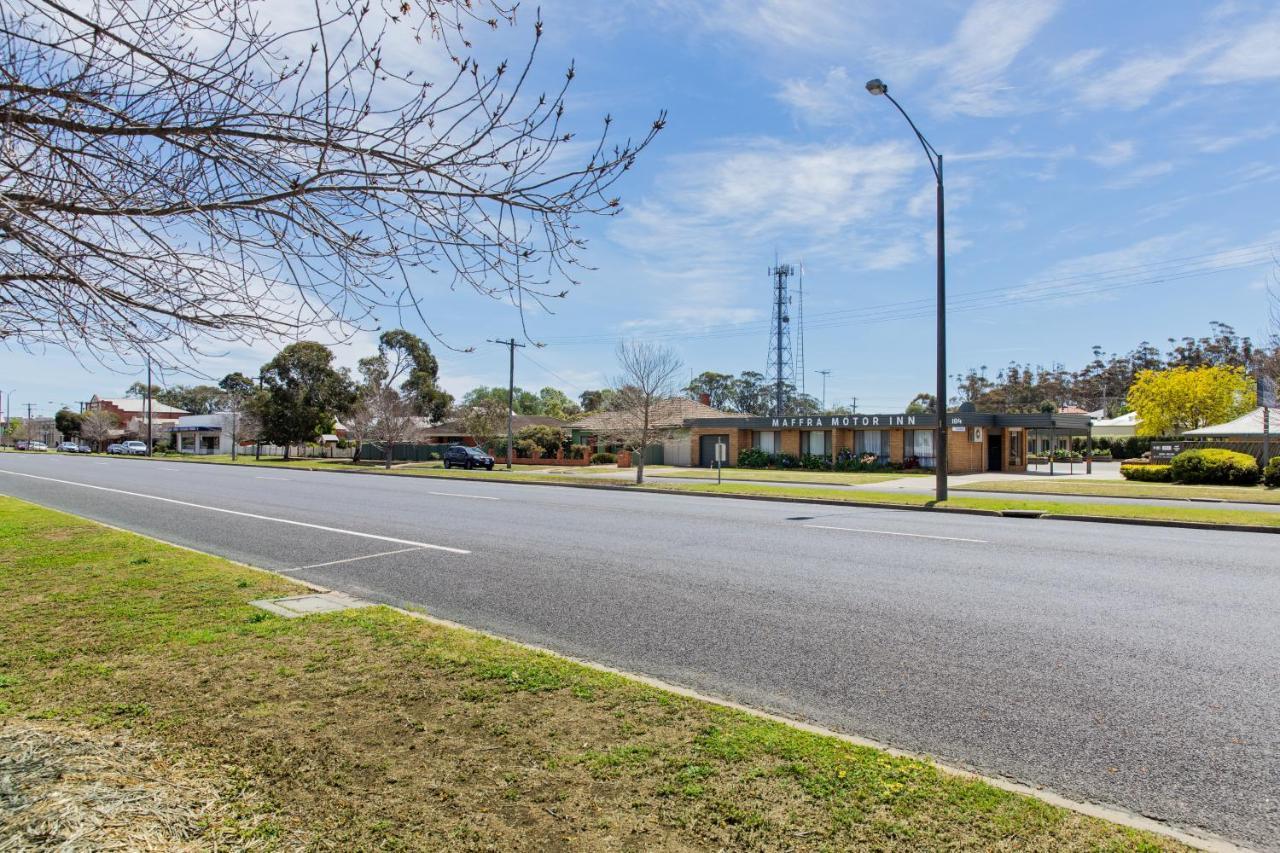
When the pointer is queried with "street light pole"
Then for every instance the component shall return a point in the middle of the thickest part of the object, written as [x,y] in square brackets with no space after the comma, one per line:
[877,87]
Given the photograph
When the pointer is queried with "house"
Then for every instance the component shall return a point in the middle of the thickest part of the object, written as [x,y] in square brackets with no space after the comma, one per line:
[1121,426]
[453,431]
[203,434]
[674,442]
[131,412]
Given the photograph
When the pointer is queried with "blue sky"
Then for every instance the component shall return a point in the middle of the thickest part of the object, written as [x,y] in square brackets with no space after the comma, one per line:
[1112,177]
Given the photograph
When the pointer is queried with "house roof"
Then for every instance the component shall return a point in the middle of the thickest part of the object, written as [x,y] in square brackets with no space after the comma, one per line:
[1127,419]
[138,406]
[518,422]
[1249,423]
[666,414]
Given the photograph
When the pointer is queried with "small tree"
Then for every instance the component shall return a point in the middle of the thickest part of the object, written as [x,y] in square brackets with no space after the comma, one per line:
[1169,402]
[67,422]
[303,394]
[237,390]
[485,421]
[18,430]
[96,426]
[385,417]
[648,378]
[540,438]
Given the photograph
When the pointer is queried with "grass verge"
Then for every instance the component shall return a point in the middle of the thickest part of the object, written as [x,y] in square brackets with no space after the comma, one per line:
[371,729]
[1131,489]
[1049,507]
[755,475]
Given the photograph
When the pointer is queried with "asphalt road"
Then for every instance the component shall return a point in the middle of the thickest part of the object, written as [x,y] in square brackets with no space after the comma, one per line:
[1137,667]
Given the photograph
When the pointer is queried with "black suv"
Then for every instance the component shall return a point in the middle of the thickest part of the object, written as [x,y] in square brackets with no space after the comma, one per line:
[466,457]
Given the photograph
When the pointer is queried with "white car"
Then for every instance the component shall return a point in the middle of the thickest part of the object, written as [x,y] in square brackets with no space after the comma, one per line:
[37,445]
[135,448]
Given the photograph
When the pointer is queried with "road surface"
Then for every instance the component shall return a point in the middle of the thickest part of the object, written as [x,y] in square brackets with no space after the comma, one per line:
[1137,667]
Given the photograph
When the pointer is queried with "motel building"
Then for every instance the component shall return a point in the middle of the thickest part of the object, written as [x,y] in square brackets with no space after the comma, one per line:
[977,442]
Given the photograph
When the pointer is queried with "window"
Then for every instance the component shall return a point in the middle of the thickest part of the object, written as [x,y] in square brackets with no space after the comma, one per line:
[815,443]
[918,444]
[873,441]
[1015,447]
[766,440]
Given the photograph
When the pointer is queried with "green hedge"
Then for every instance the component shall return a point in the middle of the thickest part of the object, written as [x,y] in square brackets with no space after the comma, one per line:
[603,459]
[1147,473]
[752,457]
[1215,467]
[1271,474]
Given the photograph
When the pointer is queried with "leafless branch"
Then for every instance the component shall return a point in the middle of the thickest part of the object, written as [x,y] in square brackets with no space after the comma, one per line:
[176,172]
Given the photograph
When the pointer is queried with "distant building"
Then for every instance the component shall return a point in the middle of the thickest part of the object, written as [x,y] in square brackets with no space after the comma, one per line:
[132,411]
[1121,426]
[453,432]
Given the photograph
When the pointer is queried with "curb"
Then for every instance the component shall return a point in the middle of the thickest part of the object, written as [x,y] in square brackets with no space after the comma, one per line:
[992,513]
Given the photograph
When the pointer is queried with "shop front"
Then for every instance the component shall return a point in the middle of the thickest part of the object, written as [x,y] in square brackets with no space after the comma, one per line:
[976,441]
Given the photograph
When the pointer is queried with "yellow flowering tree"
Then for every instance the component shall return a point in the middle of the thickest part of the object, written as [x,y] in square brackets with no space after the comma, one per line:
[1170,402]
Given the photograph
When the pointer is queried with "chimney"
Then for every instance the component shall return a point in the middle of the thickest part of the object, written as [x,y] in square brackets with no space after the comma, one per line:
[704,399]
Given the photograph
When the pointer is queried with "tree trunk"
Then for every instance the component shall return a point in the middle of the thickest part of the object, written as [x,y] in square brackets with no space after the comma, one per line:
[644,442]
[387,457]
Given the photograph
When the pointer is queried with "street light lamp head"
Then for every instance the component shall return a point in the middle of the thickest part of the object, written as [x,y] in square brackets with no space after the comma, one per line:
[877,87]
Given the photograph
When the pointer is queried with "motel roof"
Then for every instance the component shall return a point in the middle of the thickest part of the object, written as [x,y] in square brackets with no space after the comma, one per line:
[1249,423]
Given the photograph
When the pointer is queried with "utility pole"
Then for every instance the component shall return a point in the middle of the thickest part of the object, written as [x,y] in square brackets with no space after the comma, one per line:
[854,405]
[825,374]
[511,390]
[148,404]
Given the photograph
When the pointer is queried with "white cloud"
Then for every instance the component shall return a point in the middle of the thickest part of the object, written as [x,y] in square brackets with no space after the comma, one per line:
[1114,153]
[1140,175]
[1216,143]
[826,102]
[1255,55]
[991,36]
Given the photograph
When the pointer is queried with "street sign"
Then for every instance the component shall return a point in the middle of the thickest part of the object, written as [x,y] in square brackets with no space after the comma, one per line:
[1266,392]
[1165,451]
[722,451]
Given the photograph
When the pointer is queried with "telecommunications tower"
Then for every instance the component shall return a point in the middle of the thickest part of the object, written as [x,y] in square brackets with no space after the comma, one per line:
[780,365]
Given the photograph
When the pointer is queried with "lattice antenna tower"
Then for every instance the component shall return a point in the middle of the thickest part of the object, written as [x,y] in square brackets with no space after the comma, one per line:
[780,364]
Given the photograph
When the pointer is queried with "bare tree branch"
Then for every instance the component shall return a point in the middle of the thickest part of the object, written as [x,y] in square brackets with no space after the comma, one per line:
[176,172]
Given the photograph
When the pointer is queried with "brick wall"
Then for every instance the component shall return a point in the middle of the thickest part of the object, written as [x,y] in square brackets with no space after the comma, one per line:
[896,438]
[964,455]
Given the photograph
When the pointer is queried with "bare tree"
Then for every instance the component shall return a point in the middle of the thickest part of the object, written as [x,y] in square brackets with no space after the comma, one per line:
[96,426]
[647,379]
[387,418]
[178,171]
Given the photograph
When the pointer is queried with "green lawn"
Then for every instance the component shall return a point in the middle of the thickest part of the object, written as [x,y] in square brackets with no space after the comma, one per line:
[756,475]
[1050,507]
[1129,489]
[372,729]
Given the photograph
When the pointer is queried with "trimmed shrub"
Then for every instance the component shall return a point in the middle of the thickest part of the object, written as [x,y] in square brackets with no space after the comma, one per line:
[603,459]
[1271,474]
[1147,473]
[786,460]
[1215,467]
[752,457]
[810,462]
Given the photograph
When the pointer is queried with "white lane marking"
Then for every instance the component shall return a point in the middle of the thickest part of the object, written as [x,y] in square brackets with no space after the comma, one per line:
[358,533]
[457,495]
[282,479]
[895,533]
[354,559]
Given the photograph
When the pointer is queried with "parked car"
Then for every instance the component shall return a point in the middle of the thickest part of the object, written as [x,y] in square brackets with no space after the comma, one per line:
[461,456]
[68,447]
[21,445]
[37,445]
[116,448]
[135,448]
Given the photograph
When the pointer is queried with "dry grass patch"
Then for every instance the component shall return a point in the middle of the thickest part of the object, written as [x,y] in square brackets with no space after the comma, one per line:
[371,729]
